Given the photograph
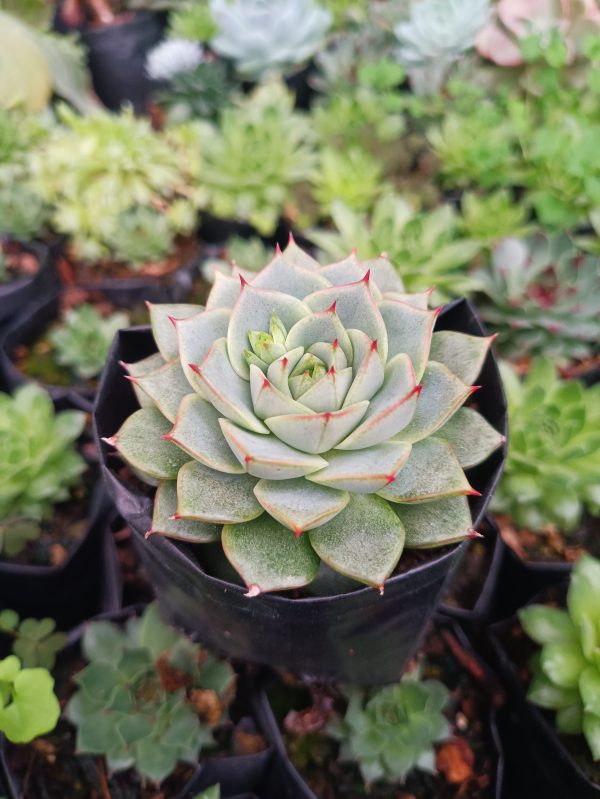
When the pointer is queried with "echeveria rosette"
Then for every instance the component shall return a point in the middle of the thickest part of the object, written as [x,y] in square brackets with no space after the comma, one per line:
[309,413]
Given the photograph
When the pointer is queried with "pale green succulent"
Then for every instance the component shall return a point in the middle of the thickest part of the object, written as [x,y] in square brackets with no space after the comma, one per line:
[491,217]
[262,36]
[566,671]
[83,339]
[192,20]
[141,236]
[310,414]
[28,705]
[353,177]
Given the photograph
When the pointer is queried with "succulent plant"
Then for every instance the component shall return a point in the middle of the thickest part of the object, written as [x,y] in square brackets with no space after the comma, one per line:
[35,641]
[134,171]
[192,20]
[243,254]
[258,153]
[171,57]
[148,698]
[351,176]
[492,217]
[198,93]
[28,705]
[83,339]
[436,34]
[542,298]
[426,246]
[553,464]
[312,414]
[40,463]
[394,729]
[249,32]
[566,671]
[141,236]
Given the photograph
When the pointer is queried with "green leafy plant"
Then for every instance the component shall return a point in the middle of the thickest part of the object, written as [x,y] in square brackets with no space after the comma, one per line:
[83,339]
[35,641]
[140,697]
[249,32]
[39,463]
[393,730]
[254,158]
[308,415]
[28,705]
[426,246]
[566,672]
[489,218]
[542,297]
[192,19]
[108,175]
[553,465]
[353,177]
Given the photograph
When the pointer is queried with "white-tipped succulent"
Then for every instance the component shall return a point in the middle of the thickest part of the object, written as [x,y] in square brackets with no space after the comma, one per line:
[268,35]
[308,413]
[171,57]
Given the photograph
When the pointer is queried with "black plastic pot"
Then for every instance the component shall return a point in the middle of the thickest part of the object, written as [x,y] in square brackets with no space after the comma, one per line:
[358,637]
[87,583]
[17,294]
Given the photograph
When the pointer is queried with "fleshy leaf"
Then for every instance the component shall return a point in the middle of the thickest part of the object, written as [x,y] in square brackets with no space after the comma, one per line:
[330,353]
[298,504]
[318,432]
[166,387]
[224,292]
[385,274]
[473,439]
[268,400]
[410,331]
[140,443]
[418,300]
[163,523]
[368,379]
[196,336]
[197,431]
[323,326]
[279,371]
[208,496]
[547,625]
[364,471]
[268,556]
[298,257]
[284,276]
[462,354]
[141,369]
[364,541]
[266,456]
[348,270]
[163,329]
[328,393]
[435,524]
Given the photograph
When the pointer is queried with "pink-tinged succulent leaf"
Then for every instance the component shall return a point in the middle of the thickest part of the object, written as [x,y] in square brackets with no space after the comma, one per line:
[224,292]
[442,394]
[163,523]
[196,336]
[331,354]
[298,257]
[268,400]
[323,326]
[431,472]
[355,306]
[464,355]
[140,443]
[473,439]
[300,505]
[364,471]
[390,410]
[418,300]
[496,45]
[364,541]
[267,456]
[348,270]
[268,556]
[205,495]
[163,329]
[281,275]
[279,371]
[253,311]
[361,346]
[328,393]
[385,275]
[226,390]
[140,369]
[197,431]
[409,331]
[435,524]
[318,432]
[368,378]
[166,387]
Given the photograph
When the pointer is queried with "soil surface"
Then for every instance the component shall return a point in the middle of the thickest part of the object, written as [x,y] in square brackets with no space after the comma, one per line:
[19,262]
[549,544]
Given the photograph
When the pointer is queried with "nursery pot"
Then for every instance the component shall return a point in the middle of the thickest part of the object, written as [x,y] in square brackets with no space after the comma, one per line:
[19,293]
[358,637]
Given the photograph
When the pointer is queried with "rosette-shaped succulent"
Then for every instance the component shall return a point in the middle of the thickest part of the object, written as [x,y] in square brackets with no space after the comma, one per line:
[311,414]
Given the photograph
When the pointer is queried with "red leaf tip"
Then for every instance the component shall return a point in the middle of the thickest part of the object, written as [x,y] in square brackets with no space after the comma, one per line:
[248,459]
[148,304]
[380,588]
[374,345]
[291,239]
[390,478]
[284,361]
[473,534]
[331,308]
[335,343]
[167,437]
[367,276]
[195,369]
[253,590]
[243,281]
[112,441]
[131,378]
[437,311]
[148,533]
[473,389]
[277,249]
[297,531]
[418,389]
[332,370]
[472,492]
[173,320]
[266,383]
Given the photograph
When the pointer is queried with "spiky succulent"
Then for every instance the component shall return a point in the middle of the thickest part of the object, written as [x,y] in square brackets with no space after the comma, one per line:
[542,298]
[148,698]
[83,339]
[553,465]
[393,730]
[566,672]
[268,35]
[351,176]
[491,217]
[311,414]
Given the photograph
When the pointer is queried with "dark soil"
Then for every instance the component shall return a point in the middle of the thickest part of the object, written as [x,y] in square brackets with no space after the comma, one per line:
[136,586]
[469,578]
[549,545]
[19,262]
[466,763]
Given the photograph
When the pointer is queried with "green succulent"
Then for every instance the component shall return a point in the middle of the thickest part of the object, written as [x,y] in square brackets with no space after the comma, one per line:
[199,93]
[141,236]
[35,641]
[426,246]
[353,177]
[308,414]
[28,705]
[552,468]
[249,32]
[566,671]
[393,730]
[492,217]
[260,151]
[40,463]
[135,702]
[96,171]
[542,297]
[192,20]
[83,339]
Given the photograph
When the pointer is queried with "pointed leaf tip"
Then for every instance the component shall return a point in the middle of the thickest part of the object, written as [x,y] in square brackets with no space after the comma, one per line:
[472,492]
[277,249]
[167,437]
[243,281]
[194,368]
[112,441]
[291,239]
[331,308]
[148,533]
[474,534]
[473,389]
[380,588]
[437,311]
[173,320]
[130,378]
[148,304]
[374,345]
[253,590]
[298,531]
